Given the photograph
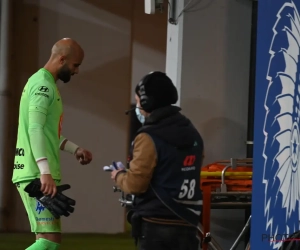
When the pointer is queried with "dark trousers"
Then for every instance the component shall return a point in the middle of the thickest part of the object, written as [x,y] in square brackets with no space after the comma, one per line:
[167,237]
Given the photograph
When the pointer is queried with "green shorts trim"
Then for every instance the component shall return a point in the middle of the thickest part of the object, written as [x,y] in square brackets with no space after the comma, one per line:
[41,220]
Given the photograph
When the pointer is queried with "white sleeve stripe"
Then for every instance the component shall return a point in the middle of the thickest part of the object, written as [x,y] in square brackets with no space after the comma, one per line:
[62,142]
[41,159]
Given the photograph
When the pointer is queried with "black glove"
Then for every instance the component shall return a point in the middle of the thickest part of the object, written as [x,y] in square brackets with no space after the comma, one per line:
[59,205]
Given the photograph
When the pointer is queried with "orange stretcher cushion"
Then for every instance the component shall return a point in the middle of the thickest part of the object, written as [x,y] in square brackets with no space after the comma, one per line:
[238,182]
[215,167]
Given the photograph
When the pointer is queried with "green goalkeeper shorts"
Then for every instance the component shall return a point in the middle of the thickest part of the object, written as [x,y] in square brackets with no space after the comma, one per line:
[41,220]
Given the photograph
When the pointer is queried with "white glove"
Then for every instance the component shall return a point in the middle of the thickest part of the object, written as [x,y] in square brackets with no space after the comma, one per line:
[114,166]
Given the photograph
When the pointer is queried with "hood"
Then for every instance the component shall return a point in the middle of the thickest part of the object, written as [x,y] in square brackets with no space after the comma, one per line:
[171,126]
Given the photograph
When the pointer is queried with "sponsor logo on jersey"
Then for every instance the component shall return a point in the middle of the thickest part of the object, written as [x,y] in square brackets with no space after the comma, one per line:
[42,94]
[39,207]
[43,89]
[188,163]
[18,166]
[20,152]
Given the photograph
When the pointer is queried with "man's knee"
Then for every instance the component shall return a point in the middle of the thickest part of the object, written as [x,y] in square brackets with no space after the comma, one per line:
[53,237]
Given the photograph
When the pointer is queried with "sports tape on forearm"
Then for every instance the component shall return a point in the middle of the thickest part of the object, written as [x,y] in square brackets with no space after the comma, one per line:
[44,166]
[69,147]
[37,140]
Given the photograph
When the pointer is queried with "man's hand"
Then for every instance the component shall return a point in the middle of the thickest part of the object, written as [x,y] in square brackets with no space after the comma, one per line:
[83,156]
[114,168]
[114,173]
[48,186]
[59,205]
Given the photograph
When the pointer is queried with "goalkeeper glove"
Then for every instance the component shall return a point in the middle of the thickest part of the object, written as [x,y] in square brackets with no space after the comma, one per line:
[59,205]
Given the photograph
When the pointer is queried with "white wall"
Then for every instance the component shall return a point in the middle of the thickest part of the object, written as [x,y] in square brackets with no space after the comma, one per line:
[215,75]
[214,87]
[149,34]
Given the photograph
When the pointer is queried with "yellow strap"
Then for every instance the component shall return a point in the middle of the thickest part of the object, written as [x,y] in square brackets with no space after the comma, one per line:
[219,174]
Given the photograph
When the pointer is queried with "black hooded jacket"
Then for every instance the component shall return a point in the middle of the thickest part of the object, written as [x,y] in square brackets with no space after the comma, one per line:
[176,176]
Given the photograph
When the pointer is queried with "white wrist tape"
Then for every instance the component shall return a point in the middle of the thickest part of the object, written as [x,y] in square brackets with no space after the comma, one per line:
[44,166]
[70,147]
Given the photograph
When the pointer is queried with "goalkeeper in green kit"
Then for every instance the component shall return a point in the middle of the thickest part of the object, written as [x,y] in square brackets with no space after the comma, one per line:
[37,172]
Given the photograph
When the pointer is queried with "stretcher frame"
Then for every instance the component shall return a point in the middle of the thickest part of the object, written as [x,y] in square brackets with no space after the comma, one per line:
[211,199]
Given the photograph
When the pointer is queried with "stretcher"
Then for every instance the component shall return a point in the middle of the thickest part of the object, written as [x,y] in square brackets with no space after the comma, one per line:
[225,184]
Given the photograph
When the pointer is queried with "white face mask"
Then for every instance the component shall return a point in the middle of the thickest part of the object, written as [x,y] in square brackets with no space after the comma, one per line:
[140,117]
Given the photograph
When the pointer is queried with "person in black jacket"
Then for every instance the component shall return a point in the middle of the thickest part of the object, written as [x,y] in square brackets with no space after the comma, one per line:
[164,170]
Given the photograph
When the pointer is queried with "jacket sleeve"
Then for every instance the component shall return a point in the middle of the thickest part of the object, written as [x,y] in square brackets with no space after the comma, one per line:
[137,178]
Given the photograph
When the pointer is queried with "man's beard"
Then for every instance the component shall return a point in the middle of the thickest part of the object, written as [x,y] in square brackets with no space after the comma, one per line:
[64,74]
